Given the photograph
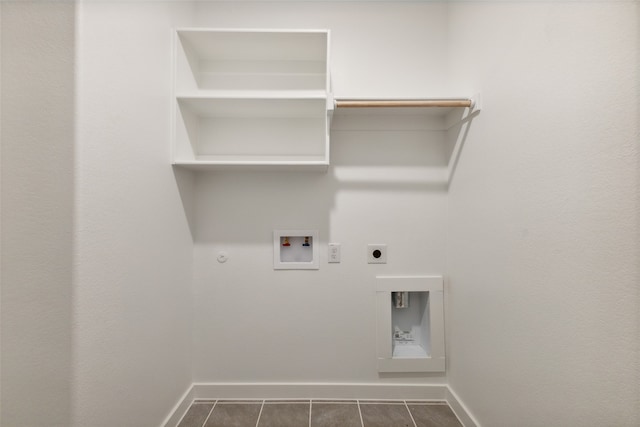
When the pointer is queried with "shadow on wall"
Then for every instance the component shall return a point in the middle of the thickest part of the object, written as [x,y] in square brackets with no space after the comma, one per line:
[185,180]
[392,161]
[240,207]
[456,139]
[38,138]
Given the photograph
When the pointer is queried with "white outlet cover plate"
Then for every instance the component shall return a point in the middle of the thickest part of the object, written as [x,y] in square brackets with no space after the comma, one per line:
[334,252]
[382,259]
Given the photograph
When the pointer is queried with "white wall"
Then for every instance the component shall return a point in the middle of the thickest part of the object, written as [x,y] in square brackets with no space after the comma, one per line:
[543,239]
[132,293]
[37,79]
[256,324]
[542,252]
[96,246]
[372,42]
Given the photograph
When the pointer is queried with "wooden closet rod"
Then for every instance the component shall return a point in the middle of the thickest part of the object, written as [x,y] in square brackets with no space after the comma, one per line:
[377,103]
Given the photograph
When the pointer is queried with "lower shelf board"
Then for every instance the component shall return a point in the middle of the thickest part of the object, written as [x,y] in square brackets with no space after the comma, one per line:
[255,165]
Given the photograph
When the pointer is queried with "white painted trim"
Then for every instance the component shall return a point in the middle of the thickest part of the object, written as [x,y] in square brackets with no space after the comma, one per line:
[180,408]
[334,391]
[460,409]
[253,30]
[362,391]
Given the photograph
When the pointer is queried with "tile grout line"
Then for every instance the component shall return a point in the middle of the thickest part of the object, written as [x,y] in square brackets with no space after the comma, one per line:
[310,403]
[210,412]
[185,414]
[360,412]
[260,413]
[410,414]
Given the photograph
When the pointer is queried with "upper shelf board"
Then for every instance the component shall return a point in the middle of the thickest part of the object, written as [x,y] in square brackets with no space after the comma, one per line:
[256,45]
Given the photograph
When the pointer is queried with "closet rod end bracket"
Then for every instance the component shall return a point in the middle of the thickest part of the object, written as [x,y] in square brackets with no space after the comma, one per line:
[476,102]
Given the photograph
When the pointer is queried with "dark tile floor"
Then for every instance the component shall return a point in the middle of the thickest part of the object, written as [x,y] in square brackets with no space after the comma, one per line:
[318,413]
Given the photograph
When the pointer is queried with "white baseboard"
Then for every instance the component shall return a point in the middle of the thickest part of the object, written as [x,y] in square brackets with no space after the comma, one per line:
[180,408]
[460,409]
[319,391]
[375,391]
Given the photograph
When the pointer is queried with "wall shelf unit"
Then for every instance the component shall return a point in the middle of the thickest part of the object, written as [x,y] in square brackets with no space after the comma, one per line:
[261,100]
[257,99]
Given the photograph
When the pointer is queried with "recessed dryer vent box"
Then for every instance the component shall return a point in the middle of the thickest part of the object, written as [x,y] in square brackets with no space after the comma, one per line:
[295,250]
[410,324]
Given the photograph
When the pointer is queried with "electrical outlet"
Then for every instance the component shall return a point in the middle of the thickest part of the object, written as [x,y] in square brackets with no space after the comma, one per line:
[334,252]
[377,254]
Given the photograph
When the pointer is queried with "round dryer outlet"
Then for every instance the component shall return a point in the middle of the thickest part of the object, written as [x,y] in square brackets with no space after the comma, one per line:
[377,254]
